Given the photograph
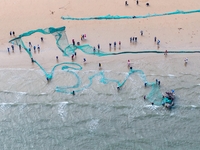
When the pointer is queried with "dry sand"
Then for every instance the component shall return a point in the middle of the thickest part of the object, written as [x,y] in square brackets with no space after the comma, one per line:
[176,32]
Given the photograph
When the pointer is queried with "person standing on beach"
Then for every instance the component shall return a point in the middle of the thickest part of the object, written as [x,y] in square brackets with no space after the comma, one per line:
[32,60]
[141,32]
[129,63]
[145,84]
[131,39]
[72,57]
[135,39]
[165,53]
[155,39]
[81,37]
[158,43]
[13,33]
[84,60]
[73,41]
[186,60]
[10,33]
[20,47]
[99,65]
[12,46]
[115,44]
[110,45]
[38,48]
[30,45]
[137,2]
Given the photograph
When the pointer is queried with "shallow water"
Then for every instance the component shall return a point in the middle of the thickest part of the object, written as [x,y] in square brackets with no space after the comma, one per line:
[35,116]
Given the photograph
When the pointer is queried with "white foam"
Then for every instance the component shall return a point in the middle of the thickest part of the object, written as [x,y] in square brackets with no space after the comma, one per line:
[43,93]
[22,93]
[3,104]
[171,75]
[24,69]
[153,107]
[61,110]
[193,106]
[64,102]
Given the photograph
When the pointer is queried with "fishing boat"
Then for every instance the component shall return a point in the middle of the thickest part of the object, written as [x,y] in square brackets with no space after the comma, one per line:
[168,99]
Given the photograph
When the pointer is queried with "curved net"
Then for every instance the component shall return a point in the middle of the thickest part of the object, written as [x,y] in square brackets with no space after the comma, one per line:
[154,96]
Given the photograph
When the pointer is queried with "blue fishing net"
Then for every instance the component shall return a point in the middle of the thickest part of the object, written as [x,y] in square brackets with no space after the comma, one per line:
[154,96]
[177,12]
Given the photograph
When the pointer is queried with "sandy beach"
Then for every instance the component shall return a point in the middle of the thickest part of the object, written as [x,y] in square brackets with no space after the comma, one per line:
[176,32]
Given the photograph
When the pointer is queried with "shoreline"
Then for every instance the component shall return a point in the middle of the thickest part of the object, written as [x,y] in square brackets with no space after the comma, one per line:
[176,32]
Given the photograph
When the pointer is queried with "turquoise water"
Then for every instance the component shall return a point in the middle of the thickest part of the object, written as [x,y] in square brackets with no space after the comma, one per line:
[36,114]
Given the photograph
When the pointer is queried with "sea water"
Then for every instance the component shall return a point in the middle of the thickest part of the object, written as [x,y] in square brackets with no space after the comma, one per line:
[34,116]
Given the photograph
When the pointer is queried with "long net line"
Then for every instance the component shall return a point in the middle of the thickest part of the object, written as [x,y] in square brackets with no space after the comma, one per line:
[154,96]
[106,17]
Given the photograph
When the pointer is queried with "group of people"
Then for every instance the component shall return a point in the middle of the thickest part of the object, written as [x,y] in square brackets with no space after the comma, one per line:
[30,44]
[98,48]
[185,60]
[12,33]
[133,39]
[115,45]
[73,56]
[34,47]
[157,41]
[83,37]
[137,2]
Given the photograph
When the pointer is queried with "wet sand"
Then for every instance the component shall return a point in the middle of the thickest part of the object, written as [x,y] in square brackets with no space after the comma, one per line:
[176,32]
